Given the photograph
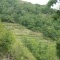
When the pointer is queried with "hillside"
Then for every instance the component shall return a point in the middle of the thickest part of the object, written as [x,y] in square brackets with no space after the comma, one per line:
[32,16]
[31,45]
[20,31]
[29,31]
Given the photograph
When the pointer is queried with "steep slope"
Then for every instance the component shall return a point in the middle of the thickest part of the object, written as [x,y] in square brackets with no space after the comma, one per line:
[31,45]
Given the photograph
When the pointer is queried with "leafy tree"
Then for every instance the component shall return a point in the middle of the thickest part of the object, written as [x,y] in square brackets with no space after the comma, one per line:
[51,2]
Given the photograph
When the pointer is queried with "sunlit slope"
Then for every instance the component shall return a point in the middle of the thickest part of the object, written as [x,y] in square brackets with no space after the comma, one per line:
[19,51]
[31,45]
[20,31]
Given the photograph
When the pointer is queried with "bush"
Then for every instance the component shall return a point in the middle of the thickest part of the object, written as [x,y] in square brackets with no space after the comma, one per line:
[41,50]
[6,40]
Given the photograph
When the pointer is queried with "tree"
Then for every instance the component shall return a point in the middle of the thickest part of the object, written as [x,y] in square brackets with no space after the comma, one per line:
[51,2]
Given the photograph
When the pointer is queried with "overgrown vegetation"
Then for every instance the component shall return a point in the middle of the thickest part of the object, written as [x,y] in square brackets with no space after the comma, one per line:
[41,50]
[31,45]
[38,18]
[31,16]
[6,41]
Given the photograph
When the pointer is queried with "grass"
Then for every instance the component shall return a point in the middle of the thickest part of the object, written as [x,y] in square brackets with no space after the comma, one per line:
[27,42]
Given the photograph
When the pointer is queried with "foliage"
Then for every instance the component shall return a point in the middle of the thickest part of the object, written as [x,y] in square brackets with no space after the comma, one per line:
[31,16]
[36,17]
[51,2]
[20,52]
[40,49]
[6,40]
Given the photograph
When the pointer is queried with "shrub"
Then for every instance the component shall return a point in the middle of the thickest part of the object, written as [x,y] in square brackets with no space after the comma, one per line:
[6,40]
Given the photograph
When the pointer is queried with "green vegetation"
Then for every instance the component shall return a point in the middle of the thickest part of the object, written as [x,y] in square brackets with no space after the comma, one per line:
[29,31]
[32,17]
[41,50]
[31,45]
[6,41]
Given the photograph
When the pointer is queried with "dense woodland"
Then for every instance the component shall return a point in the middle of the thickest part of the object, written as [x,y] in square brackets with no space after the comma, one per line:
[38,18]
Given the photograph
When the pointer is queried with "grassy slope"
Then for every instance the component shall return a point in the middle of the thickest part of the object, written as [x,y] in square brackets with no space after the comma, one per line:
[20,32]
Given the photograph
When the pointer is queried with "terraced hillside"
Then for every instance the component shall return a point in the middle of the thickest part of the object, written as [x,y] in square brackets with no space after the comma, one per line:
[20,31]
[31,45]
